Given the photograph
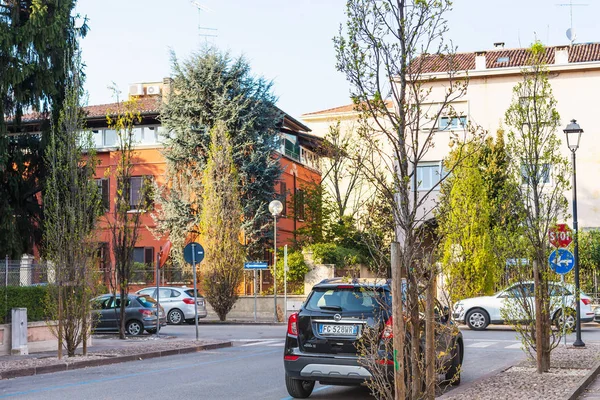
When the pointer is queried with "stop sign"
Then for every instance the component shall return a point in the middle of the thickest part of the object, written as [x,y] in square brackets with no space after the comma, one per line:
[560,235]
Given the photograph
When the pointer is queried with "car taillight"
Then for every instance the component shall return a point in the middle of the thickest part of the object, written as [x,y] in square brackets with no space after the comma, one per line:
[290,358]
[188,300]
[293,325]
[388,330]
[147,313]
[586,301]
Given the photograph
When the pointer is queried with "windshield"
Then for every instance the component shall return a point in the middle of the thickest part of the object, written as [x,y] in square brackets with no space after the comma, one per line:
[353,299]
[147,301]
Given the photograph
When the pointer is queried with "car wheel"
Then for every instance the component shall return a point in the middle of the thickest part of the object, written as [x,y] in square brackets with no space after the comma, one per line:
[477,319]
[134,328]
[453,373]
[175,317]
[299,388]
[559,320]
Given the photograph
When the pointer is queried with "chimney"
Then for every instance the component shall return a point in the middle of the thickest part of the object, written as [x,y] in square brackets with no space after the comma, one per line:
[499,45]
[166,88]
[480,60]
[561,55]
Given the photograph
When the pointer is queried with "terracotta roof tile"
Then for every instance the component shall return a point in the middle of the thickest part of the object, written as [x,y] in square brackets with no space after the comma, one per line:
[147,105]
[338,110]
[503,58]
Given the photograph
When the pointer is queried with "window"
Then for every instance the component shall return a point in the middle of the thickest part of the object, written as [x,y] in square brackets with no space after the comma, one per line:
[543,173]
[103,191]
[428,175]
[300,204]
[291,147]
[140,192]
[447,123]
[143,255]
[110,138]
[283,197]
[103,256]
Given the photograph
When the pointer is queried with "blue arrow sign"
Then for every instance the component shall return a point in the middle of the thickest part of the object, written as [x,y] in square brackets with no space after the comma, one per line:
[561,261]
[255,265]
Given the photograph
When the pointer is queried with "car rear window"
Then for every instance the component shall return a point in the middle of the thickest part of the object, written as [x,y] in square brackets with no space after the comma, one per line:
[190,292]
[147,301]
[348,299]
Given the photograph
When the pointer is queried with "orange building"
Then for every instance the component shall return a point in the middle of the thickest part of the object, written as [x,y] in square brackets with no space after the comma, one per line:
[297,155]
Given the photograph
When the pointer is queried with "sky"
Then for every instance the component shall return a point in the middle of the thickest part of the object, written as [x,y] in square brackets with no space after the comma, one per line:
[289,41]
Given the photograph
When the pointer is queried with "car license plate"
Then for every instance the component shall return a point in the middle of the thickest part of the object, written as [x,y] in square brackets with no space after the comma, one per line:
[343,330]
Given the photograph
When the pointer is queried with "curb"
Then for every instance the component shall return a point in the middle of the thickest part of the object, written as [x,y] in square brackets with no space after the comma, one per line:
[46,369]
[584,382]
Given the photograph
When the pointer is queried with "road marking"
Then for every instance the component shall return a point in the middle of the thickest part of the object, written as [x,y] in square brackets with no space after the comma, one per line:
[482,344]
[514,346]
[262,343]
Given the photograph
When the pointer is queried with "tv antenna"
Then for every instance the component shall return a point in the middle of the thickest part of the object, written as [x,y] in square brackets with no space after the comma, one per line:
[202,30]
[571,32]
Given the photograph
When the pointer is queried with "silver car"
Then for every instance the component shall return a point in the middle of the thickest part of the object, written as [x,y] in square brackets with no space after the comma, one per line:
[178,303]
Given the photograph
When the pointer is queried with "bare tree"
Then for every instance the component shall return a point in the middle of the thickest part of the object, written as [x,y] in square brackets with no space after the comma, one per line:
[383,52]
[132,200]
[543,172]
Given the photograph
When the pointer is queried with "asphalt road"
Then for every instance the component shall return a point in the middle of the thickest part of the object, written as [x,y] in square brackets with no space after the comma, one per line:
[251,369]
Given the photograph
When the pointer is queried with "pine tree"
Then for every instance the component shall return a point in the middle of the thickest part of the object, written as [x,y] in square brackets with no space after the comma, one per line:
[37,42]
[207,88]
[221,224]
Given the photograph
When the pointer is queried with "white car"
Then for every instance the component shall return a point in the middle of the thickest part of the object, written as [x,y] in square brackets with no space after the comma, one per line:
[479,312]
[178,303]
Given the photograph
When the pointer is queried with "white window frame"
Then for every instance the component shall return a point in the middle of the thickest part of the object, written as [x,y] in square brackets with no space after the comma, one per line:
[431,167]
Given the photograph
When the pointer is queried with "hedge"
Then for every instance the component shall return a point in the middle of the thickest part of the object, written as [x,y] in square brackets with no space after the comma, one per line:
[31,297]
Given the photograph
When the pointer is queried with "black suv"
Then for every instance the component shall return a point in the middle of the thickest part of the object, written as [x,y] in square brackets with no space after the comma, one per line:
[321,338]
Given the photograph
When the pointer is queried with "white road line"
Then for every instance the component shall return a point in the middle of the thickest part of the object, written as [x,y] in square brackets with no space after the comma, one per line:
[264,343]
[514,346]
[276,345]
[482,344]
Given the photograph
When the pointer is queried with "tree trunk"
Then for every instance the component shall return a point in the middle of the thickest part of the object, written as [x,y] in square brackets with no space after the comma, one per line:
[398,327]
[415,341]
[539,329]
[60,321]
[430,350]
[123,297]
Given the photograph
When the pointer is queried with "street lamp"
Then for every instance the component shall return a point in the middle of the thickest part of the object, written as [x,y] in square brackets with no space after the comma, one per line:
[275,207]
[573,132]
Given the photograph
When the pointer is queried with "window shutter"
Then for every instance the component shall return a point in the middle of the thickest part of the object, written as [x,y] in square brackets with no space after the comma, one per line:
[149,256]
[283,197]
[106,194]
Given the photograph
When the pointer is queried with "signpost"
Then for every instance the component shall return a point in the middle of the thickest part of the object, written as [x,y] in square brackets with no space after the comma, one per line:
[255,265]
[192,253]
[285,271]
[561,261]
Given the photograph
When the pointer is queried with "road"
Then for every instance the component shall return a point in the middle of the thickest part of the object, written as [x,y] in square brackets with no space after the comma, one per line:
[251,369]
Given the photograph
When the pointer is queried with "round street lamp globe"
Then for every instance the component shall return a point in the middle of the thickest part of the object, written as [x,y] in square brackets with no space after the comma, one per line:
[275,207]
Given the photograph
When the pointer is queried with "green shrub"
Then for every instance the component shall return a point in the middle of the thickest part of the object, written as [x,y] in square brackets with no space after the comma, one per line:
[31,297]
[330,253]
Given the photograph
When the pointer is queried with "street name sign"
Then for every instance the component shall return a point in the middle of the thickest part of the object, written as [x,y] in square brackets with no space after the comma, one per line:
[561,261]
[560,235]
[256,265]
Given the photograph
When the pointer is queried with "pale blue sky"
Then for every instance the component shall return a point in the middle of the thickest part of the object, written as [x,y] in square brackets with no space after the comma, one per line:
[289,41]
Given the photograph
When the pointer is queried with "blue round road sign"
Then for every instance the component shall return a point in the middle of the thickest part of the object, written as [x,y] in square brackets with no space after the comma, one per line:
[193,248]
[561,261]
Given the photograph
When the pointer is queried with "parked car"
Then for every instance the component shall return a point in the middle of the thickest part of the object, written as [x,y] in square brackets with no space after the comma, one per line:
[597,315]
[178,303]
[321,340]
[140,314]
[479,312]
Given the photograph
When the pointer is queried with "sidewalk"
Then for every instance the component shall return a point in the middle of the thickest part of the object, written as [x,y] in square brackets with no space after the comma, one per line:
[592,392]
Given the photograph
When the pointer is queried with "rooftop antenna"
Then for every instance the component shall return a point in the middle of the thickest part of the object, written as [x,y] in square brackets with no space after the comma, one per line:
[571,32]
[203,31]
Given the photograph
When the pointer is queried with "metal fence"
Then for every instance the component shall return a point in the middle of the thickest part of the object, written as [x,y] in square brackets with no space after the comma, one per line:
[25,272]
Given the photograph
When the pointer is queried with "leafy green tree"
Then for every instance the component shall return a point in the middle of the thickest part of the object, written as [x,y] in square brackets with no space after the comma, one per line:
[468,214]
[71,209]
[297,269]
[589,260]
[537,163]
[220,224]
[208,87]
[37,42]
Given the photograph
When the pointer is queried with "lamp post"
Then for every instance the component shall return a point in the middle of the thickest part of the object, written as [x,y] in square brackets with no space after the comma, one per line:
[573,132]
[275,207]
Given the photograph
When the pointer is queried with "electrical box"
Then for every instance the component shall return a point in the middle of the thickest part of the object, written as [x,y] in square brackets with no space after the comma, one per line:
[19,331]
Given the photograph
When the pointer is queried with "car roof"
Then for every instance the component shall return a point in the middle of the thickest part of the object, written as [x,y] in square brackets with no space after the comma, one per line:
[356,282]
[167,287]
